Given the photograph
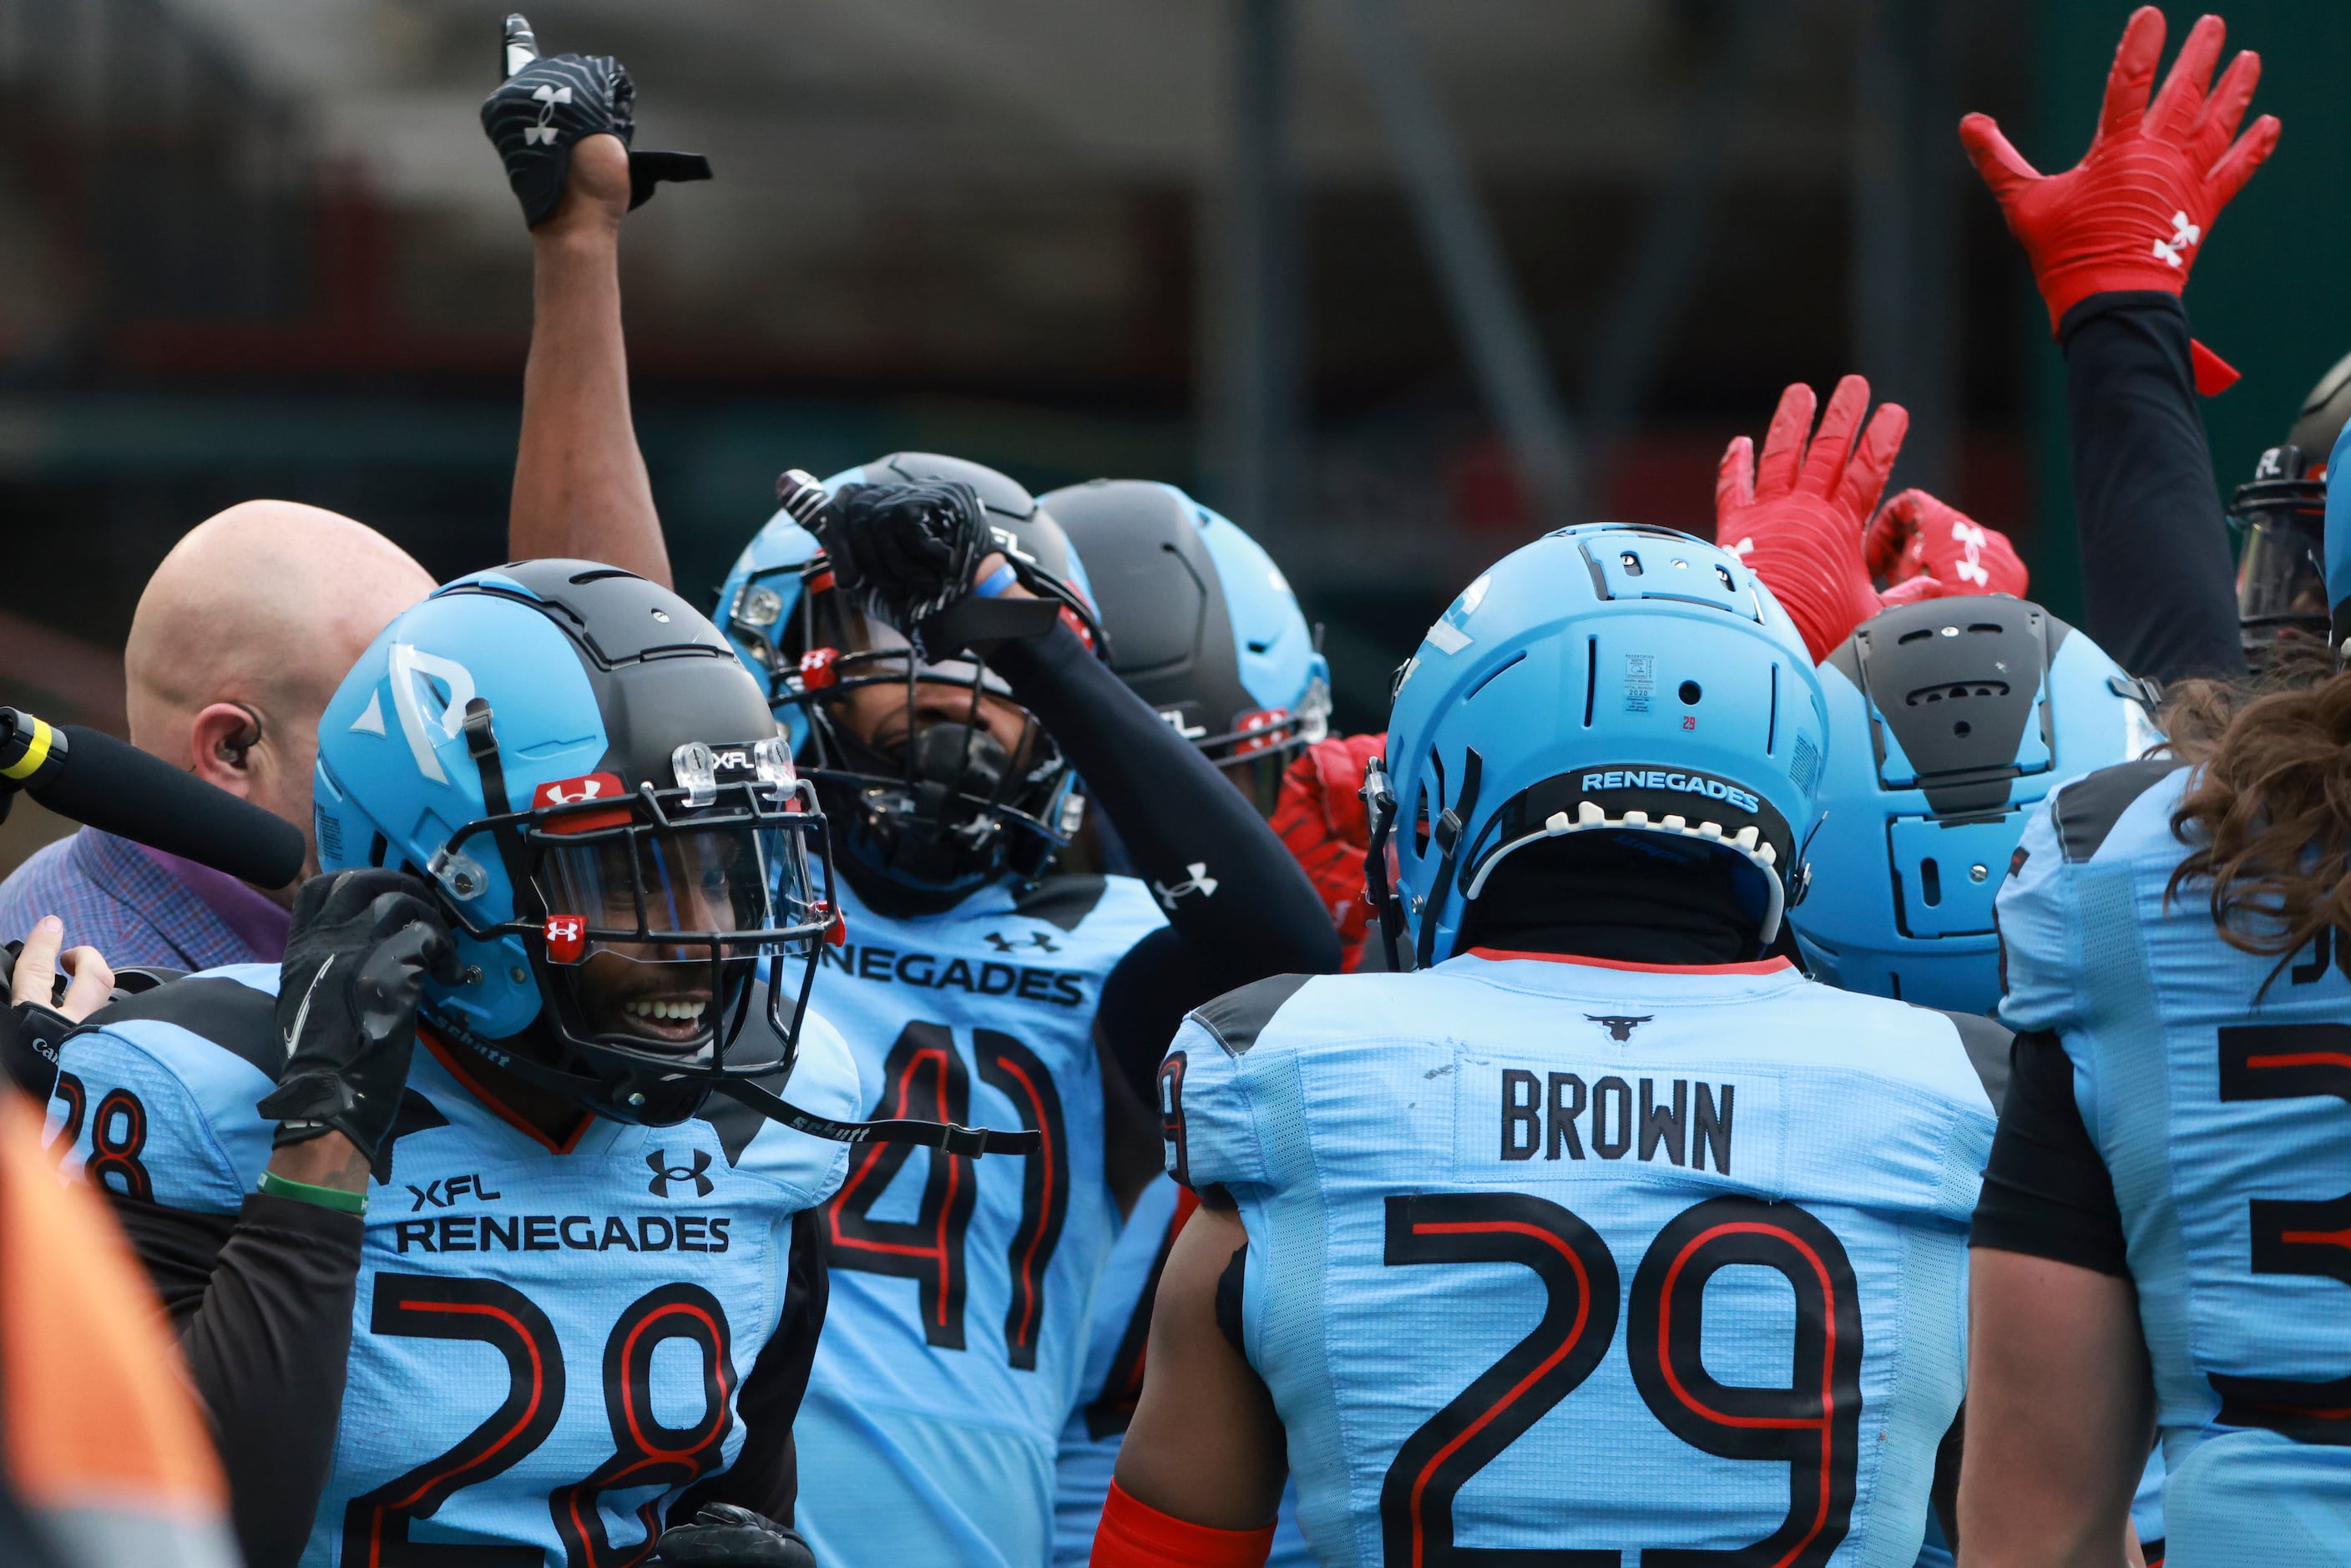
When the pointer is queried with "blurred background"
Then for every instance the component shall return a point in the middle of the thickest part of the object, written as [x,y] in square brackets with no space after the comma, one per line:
[1396,283]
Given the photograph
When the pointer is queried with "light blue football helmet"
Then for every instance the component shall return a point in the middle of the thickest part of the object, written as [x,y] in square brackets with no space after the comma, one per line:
[1950,720]
[927,821]
[1203,626]
[1605,677]
[604,811]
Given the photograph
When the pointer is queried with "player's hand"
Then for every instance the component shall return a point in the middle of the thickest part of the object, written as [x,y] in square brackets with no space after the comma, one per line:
[2135,211]
[544,119]
[725,1536]
[39,963]
[362,945]
[1916,540]
[1797,517]
[905,552]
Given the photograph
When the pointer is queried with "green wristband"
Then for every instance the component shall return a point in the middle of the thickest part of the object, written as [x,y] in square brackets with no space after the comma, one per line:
[332,1197]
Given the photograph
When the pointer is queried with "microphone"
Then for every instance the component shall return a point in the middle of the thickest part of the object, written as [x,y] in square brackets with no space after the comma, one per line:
[91,777]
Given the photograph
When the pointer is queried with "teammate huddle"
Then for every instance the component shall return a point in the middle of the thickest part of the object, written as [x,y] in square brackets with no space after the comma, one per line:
[919,986]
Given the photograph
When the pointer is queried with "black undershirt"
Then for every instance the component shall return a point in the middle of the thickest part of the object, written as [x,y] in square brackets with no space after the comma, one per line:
[2158,591]
[2046,1192]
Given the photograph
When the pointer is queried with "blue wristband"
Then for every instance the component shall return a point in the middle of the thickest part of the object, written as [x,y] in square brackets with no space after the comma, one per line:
[1002,578]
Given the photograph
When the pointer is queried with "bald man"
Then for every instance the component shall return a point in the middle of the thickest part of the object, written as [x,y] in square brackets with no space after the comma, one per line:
[241,636]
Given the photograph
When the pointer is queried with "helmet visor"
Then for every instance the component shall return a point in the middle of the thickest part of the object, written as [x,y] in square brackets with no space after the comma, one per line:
[653,931]
[2280,577]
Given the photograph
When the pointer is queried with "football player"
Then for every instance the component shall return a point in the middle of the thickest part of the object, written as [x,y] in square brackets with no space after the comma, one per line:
[925,632]
[962,1310]
[1601,1229]
[2159,1240]
[472,1228]
[1203,627]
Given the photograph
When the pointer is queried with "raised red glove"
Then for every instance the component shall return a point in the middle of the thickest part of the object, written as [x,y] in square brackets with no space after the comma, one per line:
[2134,213]
[1916,540]
[1797,517]
[1319,819]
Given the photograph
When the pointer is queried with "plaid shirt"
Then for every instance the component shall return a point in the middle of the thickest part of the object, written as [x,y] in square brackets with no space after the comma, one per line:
[136,909]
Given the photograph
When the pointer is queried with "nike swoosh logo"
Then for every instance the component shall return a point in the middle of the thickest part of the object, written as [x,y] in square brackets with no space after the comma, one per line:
[303,1012]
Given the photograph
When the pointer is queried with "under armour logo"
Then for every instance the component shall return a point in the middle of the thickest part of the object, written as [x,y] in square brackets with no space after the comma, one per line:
[2183,234]
[1198,881]
[665,1173]
[1619,1029]
[1972,568]
[543,133]
[1175,717]
[1743,549]
[1036,940]
[589,790]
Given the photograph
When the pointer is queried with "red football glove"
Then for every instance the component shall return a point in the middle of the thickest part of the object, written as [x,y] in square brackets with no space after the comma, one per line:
[1319,819]
[2134,212]
[1797,517]
[1925,549]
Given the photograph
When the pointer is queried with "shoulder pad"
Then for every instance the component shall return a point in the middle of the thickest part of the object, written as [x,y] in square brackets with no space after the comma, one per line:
[2086,809]
[1986,1042]
[1062,901]
[221,1006]
[1236,1018]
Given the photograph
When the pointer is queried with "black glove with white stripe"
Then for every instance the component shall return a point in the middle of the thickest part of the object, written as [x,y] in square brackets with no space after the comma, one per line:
[362,945]
[546,105]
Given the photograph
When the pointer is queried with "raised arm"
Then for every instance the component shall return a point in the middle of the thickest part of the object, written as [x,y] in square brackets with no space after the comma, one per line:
[563,125]
[2111,241]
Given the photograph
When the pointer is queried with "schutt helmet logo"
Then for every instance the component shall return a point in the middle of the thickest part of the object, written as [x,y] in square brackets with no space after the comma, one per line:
[665,1173]
[1619,1028]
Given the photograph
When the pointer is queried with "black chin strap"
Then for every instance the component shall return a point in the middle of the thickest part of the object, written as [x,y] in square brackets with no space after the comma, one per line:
[972,1142]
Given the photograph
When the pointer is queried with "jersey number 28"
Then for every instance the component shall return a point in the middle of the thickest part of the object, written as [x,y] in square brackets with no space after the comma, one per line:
[1812,1426]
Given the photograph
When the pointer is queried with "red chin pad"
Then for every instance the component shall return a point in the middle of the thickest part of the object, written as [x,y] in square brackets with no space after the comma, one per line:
[572,792]
[566,938]
[817,671]
[1250,725]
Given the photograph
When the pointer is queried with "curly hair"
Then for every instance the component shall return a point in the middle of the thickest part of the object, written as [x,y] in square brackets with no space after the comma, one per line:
[2267,815]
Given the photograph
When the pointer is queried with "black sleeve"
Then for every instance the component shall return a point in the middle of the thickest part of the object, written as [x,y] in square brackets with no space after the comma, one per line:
[1144,1000]
[765,1475]
[1174,811]
[2156,584]
[2046,1192]
[263,1307]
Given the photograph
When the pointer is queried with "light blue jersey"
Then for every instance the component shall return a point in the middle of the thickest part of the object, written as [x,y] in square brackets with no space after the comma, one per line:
[518,1305]
[2221,1115]
[1114,1375]
[961,1290]
[1566,1256]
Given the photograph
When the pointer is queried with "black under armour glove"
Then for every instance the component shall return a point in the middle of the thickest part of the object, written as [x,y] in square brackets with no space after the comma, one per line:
[905,552]
[546,105]
[357,955]
[725,1536]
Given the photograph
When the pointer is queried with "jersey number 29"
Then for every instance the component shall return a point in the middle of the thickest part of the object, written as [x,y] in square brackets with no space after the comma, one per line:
[1812,1426]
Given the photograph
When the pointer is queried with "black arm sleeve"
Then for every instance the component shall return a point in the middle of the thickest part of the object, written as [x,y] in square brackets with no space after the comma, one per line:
[765,1475]
[1174,811]
[2046,1192]
[2156,584]
[263,1307]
